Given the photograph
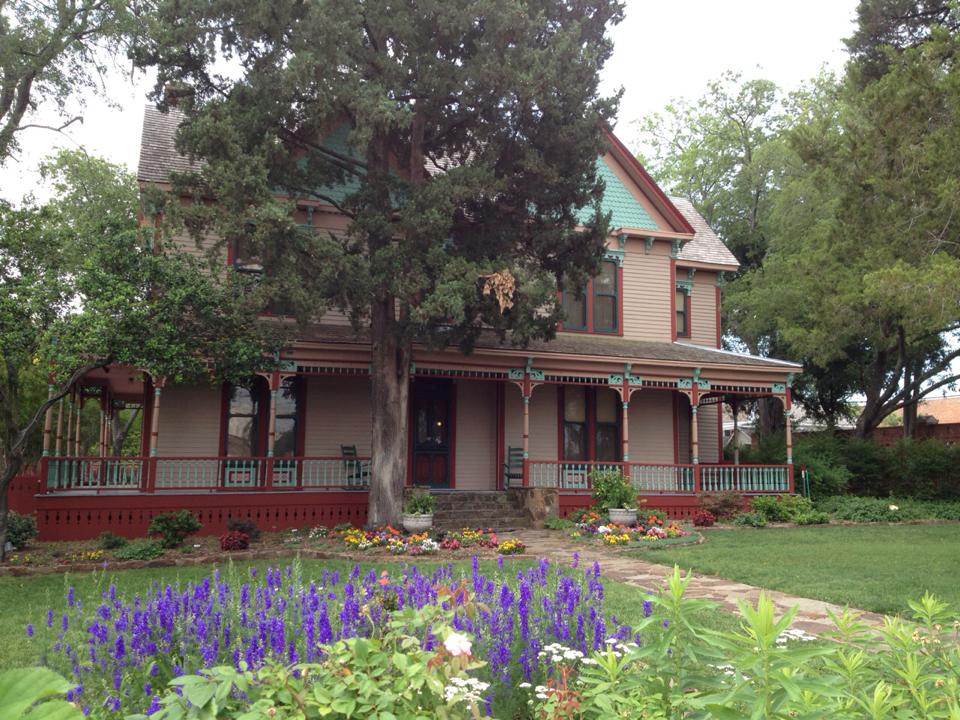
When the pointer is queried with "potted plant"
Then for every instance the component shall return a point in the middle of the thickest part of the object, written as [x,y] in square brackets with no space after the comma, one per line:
[418,512]
[612,492]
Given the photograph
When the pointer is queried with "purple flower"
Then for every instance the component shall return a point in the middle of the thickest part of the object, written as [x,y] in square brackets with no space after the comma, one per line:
[30,630]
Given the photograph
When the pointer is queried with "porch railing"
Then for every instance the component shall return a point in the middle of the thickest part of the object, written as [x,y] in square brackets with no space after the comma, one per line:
[667,479]
[150,474]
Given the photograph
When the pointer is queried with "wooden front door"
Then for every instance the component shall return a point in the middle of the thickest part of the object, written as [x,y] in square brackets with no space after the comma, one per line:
[432,432]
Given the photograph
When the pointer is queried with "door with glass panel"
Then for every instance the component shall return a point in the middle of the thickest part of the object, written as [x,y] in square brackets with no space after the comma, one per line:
[432,432]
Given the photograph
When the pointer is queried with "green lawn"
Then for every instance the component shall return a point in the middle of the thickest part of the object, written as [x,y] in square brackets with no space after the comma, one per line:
[26,599]
[872,567]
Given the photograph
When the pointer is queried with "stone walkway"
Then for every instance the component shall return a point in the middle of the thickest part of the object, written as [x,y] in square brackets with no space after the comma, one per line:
[811,617]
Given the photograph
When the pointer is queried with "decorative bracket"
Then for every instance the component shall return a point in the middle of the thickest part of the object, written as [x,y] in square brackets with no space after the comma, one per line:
[616,256]
[778,388]
[690,273]
[721,279]
[622,241]
[685,286]
[287,366]
[675,249]
[648,245]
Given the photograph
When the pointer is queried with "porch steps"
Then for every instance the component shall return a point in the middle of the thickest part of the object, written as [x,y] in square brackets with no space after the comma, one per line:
[458,509]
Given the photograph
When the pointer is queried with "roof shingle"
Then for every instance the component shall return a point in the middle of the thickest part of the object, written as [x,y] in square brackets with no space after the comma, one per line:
[706,245]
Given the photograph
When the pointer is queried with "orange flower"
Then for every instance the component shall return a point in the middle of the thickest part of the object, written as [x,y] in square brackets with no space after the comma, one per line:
[384,578]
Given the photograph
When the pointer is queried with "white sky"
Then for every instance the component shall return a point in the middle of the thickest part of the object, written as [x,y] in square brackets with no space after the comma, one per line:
[663,51]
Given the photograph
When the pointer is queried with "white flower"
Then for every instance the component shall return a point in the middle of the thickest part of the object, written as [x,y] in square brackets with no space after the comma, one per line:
[524,685]
[603,529]
[457,644]
[894,508]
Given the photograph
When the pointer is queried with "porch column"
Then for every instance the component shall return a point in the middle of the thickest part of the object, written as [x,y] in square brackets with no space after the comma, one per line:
[76,428]
[694,433]
[735,407]
[151,469]
[526,439]
[787,406]
[70,413]
[626,431]
[59,443]
[48,422]
[272,427]
[101,450]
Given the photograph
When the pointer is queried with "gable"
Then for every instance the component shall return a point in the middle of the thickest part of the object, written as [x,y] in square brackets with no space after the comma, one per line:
[619,201]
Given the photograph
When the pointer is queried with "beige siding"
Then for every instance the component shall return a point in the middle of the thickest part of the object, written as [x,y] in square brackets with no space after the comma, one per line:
[543,421]
[651,427]
[709,440]
[338,413]
[199,250]
[646,293]
[189,421]
[703,308]
[683,429]
[476,436]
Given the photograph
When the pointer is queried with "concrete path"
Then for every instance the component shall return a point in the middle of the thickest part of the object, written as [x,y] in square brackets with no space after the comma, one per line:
[811,617]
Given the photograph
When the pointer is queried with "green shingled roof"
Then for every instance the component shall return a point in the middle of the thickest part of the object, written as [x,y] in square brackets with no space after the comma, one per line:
[618,200]
[337,141]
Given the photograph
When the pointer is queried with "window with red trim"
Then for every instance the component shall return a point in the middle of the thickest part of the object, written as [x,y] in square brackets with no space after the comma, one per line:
[596,308]
[682,306]
[246,424]
[591,424]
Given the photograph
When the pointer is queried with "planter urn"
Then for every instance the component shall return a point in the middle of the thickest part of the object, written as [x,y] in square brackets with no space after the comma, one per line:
[622,516]
[417,523]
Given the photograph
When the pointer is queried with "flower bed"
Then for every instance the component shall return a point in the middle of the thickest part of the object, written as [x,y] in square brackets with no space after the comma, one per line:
[396,542]
[120,651]
[651,530]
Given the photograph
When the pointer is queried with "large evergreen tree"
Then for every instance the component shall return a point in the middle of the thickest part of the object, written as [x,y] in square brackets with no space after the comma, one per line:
[471,129]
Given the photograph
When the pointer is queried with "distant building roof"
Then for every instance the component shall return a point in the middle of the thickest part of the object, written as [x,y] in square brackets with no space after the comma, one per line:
[944,409]
[706,246]
[158,153]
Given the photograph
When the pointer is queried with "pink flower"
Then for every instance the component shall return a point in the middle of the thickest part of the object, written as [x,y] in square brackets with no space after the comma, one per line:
[457,644]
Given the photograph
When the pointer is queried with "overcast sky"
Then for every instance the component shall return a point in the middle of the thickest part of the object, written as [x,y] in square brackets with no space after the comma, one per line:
[663,51]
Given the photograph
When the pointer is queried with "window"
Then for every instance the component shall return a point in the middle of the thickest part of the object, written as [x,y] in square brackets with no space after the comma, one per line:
[682,304]
[287,424]
[596,308]
[248,413]
[591,424]
[242,425]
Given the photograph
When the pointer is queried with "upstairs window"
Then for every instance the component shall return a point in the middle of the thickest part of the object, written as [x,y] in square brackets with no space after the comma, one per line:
[595,308]
[682,305]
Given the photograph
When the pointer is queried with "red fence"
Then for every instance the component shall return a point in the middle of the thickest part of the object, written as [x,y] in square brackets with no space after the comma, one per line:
[678,507]
[945,432]
[23,491]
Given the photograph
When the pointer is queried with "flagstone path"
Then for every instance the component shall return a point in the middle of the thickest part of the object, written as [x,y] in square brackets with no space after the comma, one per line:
[811,616]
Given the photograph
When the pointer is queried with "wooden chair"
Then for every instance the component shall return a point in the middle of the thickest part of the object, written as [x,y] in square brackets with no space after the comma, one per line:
[513,467]
[357,471]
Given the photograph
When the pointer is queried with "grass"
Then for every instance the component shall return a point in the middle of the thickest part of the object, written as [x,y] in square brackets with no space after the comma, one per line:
[26,599]
[878,567]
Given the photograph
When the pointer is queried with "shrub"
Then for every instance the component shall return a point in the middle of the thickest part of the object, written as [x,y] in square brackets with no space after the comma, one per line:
[611,490]
[21,529]
[703,518]
[419,503]
[558,523]
[814,517]
[246,526]
[750,519]
[139,550]
[234,540]
[109,541]
[781,508]
[722,505]
[174,527]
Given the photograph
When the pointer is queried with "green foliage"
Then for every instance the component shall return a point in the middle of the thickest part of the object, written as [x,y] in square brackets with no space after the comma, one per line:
[174,527]
[420,503]
[781,508]
[139,550]
[247,527]
[814,517]
[612,490]
[869,509]
[21,529]
[389,675]
[761,670]
[722,505]
[750,519]
[109,541]
[558,523]
[35,694]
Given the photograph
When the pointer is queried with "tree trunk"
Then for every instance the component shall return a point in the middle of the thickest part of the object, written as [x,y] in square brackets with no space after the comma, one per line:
[119,431]
[389,396]
[770,417]
[11,467]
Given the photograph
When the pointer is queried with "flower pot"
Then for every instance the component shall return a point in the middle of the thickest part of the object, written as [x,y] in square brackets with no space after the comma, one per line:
[622,516]
[417,523]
